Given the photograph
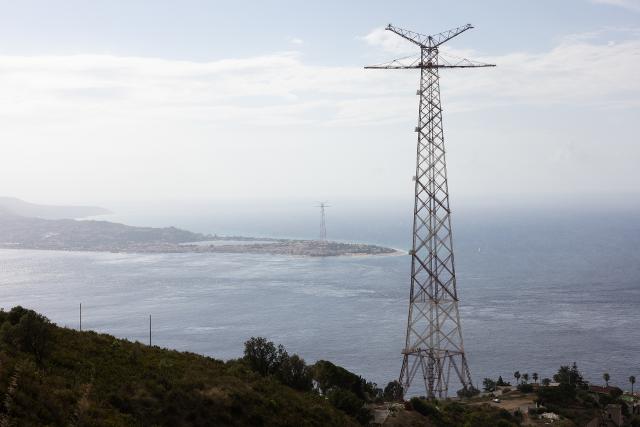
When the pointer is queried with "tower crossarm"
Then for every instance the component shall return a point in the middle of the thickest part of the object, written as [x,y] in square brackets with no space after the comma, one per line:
[445,36]
[411,63]
[421,40]
[426,41]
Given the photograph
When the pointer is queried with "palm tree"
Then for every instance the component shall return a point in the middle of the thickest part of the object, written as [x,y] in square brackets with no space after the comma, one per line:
[525,377]
[535,377]
[516,375]
[606,378]
[632,380]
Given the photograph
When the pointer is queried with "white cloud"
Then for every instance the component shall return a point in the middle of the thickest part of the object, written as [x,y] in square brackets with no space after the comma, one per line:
[281,88]
[157,126]
[389,42]
[626,4]
[581,69]
[296,41]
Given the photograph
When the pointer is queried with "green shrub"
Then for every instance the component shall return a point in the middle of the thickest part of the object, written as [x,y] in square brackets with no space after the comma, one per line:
[293,372]
[525,388]
[95,379]
[616,392]
[28,331]
[425,408]
[349,403]
[393,392]
[489,385]
[329,376]
[468,392]
[262,355]
[561,395]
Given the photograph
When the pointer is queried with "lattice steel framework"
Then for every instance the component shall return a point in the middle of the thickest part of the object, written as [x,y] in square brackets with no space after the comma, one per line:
[434,346]
[323,223]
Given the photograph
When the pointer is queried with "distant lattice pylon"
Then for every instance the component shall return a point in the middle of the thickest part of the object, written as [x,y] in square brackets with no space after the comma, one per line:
[323,223]
[433,345]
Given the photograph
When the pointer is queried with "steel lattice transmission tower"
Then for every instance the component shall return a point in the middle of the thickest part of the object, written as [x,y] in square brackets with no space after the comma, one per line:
[323,224]
[434,346]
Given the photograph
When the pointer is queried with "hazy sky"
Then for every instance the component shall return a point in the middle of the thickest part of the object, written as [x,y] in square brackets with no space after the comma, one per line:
[166,100]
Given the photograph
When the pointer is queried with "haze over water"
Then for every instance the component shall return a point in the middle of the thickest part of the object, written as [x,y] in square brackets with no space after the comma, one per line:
[537,290]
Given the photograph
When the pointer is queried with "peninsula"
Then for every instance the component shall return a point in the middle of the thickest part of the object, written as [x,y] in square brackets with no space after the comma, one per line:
[29,232]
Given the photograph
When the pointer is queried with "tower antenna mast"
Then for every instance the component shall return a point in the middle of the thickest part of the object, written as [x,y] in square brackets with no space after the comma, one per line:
[433,345]
[323,224]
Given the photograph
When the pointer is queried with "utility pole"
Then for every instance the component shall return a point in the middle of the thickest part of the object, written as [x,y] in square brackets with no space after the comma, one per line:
[80,317]
[149,330]
[433,343]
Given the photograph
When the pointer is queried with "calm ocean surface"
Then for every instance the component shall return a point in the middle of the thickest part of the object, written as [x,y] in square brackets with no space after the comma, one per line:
[536,291]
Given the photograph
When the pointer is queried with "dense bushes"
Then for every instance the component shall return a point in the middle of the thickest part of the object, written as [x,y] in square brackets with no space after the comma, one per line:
[455,414]
[428,409]
[28,331]
[489,385]
[393,392]
[344,390]
[525,387]
[262,355]
[570,398]
[350,404]
[56,376]
[267,359]
[328,376]
[468,392]
[295,373]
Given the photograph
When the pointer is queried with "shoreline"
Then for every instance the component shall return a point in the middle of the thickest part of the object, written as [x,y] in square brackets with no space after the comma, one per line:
[17,232]
[221,249]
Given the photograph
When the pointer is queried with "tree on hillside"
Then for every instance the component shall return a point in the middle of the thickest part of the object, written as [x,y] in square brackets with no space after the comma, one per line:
[348,402]
[328,376]
[576,376]
[262,355]
[489,385]
[525,378]
[606,377]
[535,377]
[28,331]
[393,391]
[569,375]
[501,382]
[468,392]
[292,371]
[632,380]
[516,375]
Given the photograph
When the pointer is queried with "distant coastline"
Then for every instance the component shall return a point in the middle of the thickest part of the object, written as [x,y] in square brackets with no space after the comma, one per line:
[31,232]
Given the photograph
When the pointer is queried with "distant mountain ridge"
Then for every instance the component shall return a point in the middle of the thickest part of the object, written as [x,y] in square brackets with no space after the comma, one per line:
[15,206]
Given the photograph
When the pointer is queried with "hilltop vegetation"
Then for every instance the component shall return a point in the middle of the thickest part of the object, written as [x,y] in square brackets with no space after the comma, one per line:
[56,376]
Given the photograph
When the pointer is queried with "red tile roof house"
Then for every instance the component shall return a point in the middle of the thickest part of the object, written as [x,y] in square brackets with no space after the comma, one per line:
[601,390]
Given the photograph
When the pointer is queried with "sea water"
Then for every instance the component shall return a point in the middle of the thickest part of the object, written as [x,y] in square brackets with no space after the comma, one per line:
[537,292]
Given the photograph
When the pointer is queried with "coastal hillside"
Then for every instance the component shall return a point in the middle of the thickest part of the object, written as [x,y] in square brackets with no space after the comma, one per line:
[69,234]
[56,376]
